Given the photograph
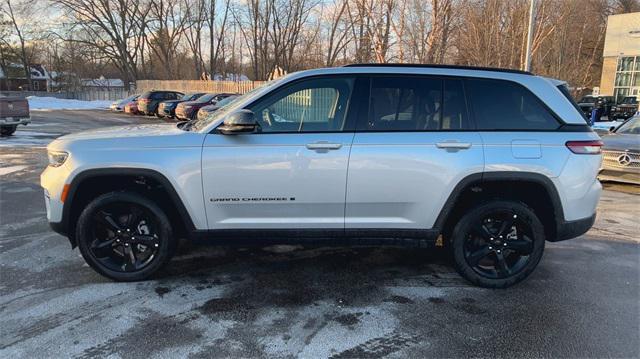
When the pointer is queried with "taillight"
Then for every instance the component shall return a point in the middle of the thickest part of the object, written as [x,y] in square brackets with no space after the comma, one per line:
[585,147]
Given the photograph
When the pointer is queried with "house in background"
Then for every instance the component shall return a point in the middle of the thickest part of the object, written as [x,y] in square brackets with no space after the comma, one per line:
[12,78]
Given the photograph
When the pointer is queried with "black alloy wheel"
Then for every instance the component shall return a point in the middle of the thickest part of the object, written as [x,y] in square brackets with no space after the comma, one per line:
[124,236]
[498,244]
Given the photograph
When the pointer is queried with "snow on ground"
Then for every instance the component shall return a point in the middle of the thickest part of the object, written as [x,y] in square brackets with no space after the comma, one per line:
[52,103]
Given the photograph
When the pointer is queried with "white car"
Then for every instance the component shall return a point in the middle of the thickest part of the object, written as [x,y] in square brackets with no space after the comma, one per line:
[489,162]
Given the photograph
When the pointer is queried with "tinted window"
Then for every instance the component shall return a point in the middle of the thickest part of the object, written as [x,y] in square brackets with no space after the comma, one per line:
[404,104]
[317,105]
[454,110]
[504,105]
[416,104]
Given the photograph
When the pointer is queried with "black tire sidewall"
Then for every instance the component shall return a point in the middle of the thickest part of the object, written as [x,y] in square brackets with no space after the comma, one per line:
[167,243]
[8,130]
[461,231]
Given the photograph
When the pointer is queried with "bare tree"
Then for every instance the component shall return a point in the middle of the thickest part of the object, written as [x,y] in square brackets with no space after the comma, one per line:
[114,28]
[17,16]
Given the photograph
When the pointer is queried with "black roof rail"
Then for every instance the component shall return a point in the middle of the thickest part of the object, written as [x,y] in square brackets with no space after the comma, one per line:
[441,66]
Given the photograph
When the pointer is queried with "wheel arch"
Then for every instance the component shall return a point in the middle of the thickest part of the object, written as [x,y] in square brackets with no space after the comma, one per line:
[534,189]
[144,181]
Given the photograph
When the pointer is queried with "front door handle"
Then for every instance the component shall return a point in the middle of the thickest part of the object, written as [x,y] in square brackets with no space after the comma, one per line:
[324,145]
[454,145]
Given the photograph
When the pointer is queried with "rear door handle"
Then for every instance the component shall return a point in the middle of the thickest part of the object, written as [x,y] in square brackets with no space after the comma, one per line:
[453,145]
[323,145]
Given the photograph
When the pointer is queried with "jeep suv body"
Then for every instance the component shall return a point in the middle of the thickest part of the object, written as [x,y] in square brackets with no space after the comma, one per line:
[491,163]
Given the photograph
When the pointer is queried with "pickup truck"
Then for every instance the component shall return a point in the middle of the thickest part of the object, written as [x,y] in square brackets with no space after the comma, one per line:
[14,111]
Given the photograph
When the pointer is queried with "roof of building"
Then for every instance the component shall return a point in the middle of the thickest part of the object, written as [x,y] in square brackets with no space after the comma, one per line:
[38,72]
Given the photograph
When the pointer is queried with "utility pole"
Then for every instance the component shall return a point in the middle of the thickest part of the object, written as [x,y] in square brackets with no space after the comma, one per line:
[532,15]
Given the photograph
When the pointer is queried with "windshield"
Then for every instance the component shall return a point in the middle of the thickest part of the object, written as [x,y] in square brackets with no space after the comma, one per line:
[632,126]
[206,98]
[205,121]
[191,96]
[629,101]
[225,101]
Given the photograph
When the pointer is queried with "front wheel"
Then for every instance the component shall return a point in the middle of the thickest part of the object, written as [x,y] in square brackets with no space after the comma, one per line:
[124,236]
[498,244]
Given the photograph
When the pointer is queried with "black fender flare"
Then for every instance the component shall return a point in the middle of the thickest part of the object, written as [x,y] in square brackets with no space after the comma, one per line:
[63,226]
[487,177]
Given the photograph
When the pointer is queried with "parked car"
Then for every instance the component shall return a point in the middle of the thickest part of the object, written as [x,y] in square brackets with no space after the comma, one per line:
[119,105]
[168,108]
[272,167]
[189,110]
[621,153]
[209,109]
[14,111]
[589,103]
[131,108]
[627,107]
[148,102]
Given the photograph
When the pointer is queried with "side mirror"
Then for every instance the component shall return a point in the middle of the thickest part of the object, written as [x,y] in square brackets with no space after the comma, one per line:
[241,121]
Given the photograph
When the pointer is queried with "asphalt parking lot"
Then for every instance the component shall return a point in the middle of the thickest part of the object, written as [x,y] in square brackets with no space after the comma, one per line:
[582,301]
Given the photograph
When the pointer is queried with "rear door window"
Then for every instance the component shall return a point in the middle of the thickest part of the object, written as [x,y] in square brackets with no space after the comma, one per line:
[416,104]
[505,105]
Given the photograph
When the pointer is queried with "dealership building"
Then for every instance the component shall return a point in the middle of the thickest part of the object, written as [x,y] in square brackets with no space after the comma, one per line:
[621,63]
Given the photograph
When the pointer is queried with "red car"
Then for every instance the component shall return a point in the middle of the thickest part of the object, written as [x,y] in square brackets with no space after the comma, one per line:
[188,110]
[131,108]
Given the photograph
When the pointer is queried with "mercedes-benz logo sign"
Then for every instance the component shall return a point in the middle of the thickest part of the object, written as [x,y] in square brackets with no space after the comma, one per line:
[624,160]
[10,106]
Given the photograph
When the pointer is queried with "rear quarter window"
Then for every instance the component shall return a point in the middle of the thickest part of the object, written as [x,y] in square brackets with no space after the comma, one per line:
[505,105]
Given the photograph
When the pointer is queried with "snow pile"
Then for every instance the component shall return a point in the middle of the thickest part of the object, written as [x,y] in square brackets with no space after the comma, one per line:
[52,103]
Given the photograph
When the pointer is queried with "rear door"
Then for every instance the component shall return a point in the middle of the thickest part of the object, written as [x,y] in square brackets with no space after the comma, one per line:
[415,143]
[519,132]
[292,173]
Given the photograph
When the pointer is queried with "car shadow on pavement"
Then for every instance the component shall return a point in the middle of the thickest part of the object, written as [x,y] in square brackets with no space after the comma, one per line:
[282,276]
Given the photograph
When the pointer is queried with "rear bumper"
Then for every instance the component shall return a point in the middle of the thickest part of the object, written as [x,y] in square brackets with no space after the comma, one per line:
[12,121]
[573,229]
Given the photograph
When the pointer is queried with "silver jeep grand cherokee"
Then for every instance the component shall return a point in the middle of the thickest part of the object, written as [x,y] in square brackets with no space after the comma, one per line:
[490,163]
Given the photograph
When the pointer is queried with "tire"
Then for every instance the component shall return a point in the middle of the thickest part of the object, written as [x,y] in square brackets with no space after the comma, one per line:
[124,251]
[7,130]
[497,244]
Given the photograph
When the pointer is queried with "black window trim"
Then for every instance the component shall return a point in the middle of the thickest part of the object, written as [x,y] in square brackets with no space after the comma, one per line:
[358,106]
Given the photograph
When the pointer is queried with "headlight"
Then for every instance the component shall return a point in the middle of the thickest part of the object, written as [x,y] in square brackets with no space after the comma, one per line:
[57,158]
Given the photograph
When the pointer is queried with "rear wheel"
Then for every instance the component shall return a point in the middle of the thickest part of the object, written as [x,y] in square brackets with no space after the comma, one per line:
[7,130]
[498,244]
[124,236]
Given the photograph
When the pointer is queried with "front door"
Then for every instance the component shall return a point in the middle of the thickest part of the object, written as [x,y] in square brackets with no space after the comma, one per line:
[291,174]
[409,153]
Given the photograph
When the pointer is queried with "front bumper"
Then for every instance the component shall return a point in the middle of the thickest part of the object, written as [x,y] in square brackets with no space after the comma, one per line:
[622,114]
[14,121]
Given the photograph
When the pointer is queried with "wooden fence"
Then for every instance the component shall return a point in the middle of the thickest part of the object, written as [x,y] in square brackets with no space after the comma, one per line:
[197,86]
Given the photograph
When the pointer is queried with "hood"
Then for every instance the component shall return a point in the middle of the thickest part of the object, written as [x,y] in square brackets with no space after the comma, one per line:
[122,132]
[622,142]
